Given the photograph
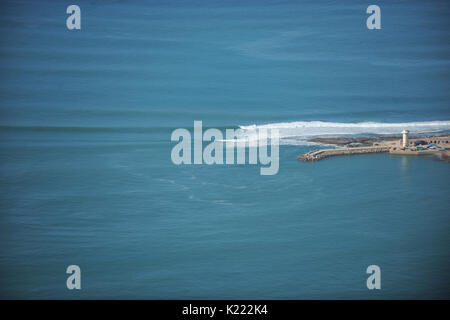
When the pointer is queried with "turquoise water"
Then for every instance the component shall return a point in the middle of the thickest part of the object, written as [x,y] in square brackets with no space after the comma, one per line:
[86,175]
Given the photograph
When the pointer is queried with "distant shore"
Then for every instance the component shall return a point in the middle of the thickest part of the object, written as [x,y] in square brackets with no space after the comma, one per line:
[425,145]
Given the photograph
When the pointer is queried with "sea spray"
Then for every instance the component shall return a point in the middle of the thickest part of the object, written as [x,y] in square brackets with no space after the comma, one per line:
[297,133]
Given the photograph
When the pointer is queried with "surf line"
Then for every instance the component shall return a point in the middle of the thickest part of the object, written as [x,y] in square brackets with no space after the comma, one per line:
[257,143]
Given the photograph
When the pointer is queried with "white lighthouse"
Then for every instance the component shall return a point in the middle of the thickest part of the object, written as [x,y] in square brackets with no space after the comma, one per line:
[405,138]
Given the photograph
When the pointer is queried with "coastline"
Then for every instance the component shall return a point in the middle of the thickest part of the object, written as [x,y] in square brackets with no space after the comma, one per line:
[426,145]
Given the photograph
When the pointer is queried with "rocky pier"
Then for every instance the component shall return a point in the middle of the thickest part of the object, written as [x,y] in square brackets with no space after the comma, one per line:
[325,153]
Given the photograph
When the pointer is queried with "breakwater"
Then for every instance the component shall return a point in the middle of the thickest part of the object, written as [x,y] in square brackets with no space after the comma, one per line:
[325,153]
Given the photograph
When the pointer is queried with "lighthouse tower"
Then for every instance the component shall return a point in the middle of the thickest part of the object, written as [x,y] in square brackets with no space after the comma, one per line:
[405,138]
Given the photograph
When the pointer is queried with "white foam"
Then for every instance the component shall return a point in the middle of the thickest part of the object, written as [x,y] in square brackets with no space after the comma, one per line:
[295,133]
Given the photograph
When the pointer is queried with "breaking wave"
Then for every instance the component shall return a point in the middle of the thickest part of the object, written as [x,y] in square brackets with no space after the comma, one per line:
[295,133]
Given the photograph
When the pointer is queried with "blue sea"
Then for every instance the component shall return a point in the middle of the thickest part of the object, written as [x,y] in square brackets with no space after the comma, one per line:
[86,176]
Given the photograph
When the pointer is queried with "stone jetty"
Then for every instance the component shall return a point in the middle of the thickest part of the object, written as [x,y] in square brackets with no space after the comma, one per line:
[439,145]
[325,153]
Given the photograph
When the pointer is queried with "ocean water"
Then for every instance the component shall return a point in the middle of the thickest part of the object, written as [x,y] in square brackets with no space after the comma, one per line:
[86,176]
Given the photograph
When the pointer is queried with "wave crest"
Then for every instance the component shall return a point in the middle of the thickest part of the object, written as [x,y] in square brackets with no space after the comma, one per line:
[295,133]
